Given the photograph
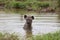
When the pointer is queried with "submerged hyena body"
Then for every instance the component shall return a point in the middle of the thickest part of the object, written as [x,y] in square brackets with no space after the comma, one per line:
[28,25]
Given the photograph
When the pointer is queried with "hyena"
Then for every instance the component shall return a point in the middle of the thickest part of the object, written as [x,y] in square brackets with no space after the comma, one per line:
[28,25]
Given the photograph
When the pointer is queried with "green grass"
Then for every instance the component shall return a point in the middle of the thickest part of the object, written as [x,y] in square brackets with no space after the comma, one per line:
[7,36]
[49,36]
[13,36]
[25,5]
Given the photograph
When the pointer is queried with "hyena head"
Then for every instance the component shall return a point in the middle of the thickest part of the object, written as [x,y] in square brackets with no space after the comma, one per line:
[28,19]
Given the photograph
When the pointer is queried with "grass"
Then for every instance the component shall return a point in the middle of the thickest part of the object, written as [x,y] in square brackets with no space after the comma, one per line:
[49,36]
[7,36]
[25,5]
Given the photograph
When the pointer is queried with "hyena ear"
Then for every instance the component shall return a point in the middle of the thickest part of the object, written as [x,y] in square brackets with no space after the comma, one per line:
[25,16]
[32,17]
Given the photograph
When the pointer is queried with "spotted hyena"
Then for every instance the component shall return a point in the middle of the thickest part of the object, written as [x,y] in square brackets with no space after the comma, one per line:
[28,25]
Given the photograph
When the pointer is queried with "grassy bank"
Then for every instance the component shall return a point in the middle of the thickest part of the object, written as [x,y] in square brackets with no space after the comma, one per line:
[49,36]
[28,5]
[7,36]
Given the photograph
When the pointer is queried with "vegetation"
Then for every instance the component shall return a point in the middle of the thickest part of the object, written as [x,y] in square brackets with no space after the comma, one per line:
[28,5]
[24,4]
[7,36]
[58,9]
[49,36]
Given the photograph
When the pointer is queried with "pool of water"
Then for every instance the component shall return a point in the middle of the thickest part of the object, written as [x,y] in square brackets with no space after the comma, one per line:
[42,24]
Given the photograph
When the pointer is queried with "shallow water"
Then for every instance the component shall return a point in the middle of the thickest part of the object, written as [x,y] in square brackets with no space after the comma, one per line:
[42,24]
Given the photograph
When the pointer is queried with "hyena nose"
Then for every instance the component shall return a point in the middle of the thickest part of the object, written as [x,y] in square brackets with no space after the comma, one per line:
[28,22]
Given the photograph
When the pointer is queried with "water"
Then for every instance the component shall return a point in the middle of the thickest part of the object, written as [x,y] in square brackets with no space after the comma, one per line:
[42,24]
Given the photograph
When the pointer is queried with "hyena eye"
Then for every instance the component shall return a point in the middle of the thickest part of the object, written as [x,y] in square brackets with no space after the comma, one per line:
[28,19]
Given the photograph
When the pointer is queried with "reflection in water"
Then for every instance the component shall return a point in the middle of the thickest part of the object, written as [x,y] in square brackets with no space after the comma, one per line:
[42,24]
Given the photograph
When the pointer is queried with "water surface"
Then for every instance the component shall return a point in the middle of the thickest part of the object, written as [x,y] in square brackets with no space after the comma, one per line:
[42,24]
